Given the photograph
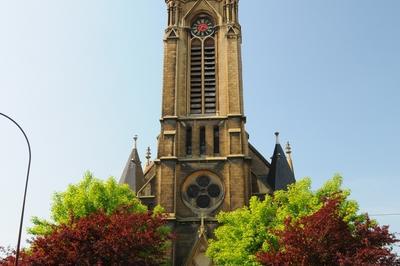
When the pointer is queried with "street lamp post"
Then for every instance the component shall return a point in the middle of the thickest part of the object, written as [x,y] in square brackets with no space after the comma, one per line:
[26,186]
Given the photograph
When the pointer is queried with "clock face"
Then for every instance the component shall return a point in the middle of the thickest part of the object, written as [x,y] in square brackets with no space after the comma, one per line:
[202,27]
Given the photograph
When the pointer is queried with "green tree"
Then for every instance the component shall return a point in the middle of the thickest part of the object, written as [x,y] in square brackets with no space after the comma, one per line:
[246,231]
[88,196]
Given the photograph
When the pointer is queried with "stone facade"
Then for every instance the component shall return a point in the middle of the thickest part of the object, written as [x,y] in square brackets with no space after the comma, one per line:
[204,162]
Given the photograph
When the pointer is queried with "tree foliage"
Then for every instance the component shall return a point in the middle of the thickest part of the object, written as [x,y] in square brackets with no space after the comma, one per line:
[7,257]
[323,238]
[246,231]
[122,238]
[88,196]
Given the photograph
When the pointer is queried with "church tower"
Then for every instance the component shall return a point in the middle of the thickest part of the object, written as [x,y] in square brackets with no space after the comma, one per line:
[202,125]
[204,162]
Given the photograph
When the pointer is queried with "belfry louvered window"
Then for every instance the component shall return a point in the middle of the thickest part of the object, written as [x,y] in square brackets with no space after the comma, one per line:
[203,92]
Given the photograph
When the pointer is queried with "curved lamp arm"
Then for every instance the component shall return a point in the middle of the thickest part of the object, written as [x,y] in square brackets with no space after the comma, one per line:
[26,186]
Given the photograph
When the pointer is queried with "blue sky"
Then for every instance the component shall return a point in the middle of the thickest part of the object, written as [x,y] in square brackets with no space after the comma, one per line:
[82,77]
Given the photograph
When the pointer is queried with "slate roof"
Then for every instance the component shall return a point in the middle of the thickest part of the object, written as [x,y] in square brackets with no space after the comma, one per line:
[133,172]
[280,175]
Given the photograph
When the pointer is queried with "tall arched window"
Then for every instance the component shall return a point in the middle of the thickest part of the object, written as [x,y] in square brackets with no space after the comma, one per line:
[202,66]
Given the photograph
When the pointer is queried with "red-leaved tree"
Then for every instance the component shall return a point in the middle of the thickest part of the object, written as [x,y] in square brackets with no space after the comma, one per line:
[123,238]
[323,238]
[7,257]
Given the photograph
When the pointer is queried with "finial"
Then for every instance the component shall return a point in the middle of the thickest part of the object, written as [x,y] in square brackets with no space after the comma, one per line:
[288,148]
[202,229]
[148,155]
[277,137]
[289,155]
[135,141]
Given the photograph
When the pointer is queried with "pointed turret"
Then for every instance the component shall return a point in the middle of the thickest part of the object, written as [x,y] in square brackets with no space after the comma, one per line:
[133,172]
[280,175]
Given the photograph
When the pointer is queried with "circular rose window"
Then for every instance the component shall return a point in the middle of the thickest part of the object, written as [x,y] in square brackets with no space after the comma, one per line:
[202,192]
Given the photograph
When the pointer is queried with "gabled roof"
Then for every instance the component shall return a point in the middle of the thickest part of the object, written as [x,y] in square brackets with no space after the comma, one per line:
[133,172]
[198,254]
[280,175]
[253,149]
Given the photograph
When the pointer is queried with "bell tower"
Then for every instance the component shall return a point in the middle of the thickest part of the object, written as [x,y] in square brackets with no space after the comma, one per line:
[202,124]
[204,162]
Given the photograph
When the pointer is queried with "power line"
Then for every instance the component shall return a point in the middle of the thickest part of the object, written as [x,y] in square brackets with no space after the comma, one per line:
[385,214]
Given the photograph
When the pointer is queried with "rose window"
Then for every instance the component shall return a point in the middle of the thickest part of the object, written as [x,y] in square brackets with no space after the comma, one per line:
[203,192]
